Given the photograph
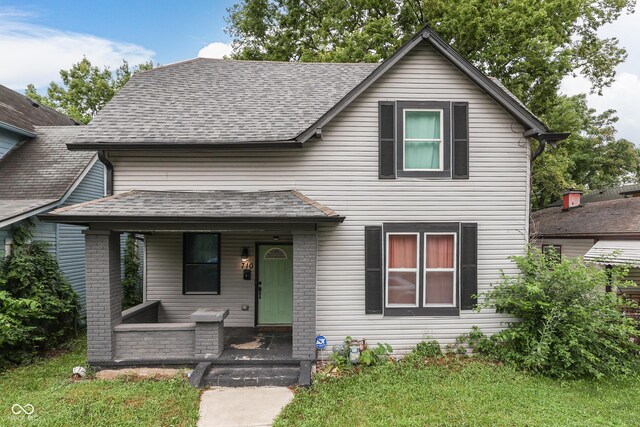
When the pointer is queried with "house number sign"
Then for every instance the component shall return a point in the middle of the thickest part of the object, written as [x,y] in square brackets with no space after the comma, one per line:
[247,265]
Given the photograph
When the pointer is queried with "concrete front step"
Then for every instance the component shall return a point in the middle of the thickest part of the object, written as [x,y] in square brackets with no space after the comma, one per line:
[252,376]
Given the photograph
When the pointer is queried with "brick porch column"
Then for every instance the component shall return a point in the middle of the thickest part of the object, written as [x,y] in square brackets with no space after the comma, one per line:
[104,293]
[305,254]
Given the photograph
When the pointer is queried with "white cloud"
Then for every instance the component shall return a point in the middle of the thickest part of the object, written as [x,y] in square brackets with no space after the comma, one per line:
[35,54]
[215,50]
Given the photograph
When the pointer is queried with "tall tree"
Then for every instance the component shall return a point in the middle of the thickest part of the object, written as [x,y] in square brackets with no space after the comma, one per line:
[85,88]
[530,45]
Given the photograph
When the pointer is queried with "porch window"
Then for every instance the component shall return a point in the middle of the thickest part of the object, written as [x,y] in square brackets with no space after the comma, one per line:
[201,263]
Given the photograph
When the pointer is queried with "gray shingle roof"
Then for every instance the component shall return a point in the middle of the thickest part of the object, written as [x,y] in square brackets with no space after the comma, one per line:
[603,218]
[604,194]
[185,206]
[22,112]
[222,101]
[40,171]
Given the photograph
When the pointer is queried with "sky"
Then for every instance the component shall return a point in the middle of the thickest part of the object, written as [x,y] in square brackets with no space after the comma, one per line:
[39,38]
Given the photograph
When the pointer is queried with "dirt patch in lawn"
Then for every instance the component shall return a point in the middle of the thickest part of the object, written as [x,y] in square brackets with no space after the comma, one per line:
[141,373]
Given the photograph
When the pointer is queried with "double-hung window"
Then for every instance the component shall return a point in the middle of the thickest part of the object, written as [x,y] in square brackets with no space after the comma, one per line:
[402,269]
[423,139]
[423,142]
[440,269]
[421,268]
[201,263]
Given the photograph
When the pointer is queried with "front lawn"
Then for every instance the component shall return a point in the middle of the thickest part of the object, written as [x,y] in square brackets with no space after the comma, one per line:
[468,393]
[59,401]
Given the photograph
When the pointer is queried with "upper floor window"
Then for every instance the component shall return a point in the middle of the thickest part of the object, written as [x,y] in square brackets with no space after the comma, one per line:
[423,140]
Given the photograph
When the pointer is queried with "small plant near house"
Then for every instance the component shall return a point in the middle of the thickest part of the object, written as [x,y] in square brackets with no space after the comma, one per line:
[343,358]
[422,351]
[38,308]
[132,283]
[567,326]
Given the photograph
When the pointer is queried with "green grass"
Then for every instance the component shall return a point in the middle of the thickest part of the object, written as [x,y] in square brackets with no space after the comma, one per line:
[471,393]
[59,401]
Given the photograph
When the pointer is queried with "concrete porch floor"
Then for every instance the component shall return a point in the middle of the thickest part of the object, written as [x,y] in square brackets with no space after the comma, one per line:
[256,344]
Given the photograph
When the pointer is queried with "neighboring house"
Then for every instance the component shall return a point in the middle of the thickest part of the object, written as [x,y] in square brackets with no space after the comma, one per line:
[38,174]
[370,200]
[603,227]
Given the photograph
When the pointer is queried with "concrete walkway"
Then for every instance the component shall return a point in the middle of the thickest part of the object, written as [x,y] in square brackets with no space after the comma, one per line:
[242,406]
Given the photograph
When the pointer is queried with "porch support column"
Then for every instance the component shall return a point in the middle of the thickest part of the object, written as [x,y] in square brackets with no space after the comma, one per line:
[104,293]
[305,254]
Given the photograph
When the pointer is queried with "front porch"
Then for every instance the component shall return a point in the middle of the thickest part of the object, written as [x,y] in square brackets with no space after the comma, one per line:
[208,273]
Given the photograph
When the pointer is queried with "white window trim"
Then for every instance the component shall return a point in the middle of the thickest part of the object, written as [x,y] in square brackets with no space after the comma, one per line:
[387,269]
[453,270]
[440,111]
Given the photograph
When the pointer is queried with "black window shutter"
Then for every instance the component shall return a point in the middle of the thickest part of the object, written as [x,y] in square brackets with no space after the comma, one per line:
[460,140]
[469,264]
[373,269]
[386,147]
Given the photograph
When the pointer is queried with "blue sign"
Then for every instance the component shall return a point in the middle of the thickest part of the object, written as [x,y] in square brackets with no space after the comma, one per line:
[321,342]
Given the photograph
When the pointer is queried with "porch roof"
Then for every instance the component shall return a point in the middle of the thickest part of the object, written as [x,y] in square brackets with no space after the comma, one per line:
[143,206]
[615,252]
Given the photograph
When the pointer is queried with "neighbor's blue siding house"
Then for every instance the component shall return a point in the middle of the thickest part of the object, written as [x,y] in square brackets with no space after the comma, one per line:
[38,174]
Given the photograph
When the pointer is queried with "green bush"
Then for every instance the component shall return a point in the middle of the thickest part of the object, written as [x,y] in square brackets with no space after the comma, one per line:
[566,325]
[370,356]
[38,308]
[423,350]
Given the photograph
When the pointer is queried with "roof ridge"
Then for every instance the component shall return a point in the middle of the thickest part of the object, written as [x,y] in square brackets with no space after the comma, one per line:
[91,202]
[322,208]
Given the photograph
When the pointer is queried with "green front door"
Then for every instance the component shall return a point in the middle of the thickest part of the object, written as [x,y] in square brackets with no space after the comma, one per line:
[275,284]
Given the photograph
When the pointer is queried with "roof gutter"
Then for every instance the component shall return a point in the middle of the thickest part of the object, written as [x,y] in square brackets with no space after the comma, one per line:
[552,138]
[16,129]
[104,158]
[255,145]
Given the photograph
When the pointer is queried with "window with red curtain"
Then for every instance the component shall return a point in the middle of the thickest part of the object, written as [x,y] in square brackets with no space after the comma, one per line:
[439,275]
[402,269]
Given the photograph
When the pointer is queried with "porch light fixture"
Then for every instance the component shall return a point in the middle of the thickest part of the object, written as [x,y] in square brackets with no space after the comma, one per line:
[245,254]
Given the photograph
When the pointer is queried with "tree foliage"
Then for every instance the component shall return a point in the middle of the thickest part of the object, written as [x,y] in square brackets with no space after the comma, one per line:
[38,308]
[591,158]
[567,326]
[530,45]
[132,283]
[85,88]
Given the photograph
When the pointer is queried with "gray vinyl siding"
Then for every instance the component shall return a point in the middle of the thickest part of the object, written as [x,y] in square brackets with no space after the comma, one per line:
[341,171]
[164,278]
[7,141]
[634,275]
[570,247]
[70,238]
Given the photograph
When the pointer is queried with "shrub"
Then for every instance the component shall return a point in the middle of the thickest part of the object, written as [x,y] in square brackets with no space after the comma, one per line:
[370,356]
[568,326]
[38,307]
[132,283]
[423,350]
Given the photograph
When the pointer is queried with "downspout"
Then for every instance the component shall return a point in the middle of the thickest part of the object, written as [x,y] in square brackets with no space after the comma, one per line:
[544,138]
[104,158]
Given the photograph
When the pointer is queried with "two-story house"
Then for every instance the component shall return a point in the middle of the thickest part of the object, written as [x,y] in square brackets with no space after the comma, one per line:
[370,200]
